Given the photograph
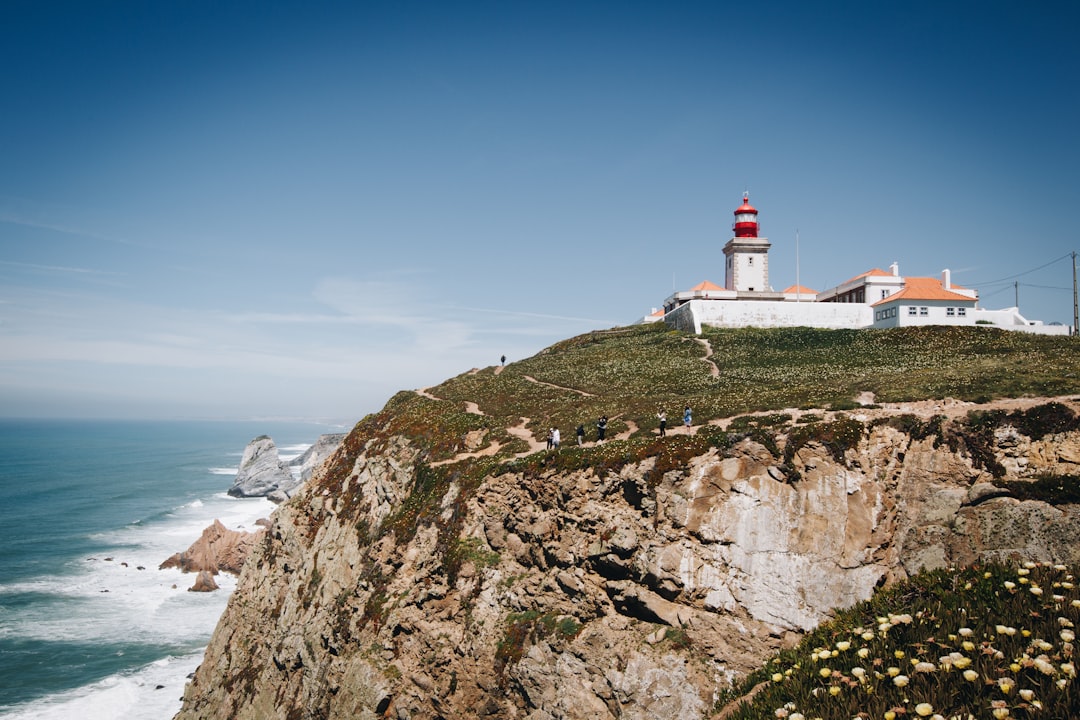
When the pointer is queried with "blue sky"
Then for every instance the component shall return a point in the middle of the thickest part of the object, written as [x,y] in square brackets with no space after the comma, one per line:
[284,209]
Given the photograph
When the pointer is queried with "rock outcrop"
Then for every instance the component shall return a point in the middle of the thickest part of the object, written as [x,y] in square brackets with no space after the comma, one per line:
[391,588]
[316,455]
[262,473]
[218,549]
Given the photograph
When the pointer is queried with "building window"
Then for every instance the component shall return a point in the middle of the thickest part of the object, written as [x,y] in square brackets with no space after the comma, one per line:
[924,311]
[962,312]
[912,311]
[950,312]
[884,293]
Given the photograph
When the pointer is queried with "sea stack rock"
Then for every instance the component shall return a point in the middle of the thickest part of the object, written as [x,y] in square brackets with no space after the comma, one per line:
[262,472]
[315,455]
[218,549]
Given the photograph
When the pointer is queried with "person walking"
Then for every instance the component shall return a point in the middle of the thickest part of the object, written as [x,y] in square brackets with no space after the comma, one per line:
[663,423]
[551,437]
[687,417]
[581,434]
[555,439]
[601,428]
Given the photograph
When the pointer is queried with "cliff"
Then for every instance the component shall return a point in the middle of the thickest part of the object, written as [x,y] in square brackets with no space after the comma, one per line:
[439,566]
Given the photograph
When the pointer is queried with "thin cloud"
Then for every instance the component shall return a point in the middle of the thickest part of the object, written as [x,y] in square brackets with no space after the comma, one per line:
[11,218]
[58,268]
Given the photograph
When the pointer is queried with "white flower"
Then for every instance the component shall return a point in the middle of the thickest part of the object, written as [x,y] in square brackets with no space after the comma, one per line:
[924,709]
[1067,635]
[900,680]
[971,675]
[965,632]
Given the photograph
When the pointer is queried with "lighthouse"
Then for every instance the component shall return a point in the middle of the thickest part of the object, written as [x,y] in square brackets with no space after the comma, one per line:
[747,255]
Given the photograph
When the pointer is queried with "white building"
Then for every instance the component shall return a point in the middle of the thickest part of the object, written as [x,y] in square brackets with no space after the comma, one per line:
[875,298]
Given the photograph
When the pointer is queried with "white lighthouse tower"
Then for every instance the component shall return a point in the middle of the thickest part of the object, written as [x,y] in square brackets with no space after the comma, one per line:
[747,255]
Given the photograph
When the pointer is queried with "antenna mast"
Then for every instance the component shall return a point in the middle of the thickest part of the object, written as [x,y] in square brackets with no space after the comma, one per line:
[798,285]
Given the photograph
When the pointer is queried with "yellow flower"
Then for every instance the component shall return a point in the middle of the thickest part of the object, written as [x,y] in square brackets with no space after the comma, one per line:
[1006,684]
[924,709]
[834,690]
[899,654]
[893,671]
[843,645]
[1069,669]
[1009,585]
[825,672]
[777,677]
[1067,635]
[890,715]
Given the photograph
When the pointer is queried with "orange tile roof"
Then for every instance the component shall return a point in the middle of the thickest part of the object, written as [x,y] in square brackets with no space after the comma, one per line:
[706,285]
[876,272]
[916,288]
[801,289]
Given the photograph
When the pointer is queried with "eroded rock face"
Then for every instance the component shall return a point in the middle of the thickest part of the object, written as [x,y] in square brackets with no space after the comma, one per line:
[594,595]
[262,473]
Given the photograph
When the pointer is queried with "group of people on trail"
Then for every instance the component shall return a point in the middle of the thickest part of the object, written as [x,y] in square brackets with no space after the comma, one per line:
[601,428]
[553,438]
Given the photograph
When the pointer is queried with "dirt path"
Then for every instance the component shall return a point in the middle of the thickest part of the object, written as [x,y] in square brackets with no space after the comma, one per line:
[713,369]
[558,387]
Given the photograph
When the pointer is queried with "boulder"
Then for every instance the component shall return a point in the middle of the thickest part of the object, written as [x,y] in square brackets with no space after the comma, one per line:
[204,583]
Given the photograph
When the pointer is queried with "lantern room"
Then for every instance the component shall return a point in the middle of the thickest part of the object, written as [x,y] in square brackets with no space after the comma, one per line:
[746,222]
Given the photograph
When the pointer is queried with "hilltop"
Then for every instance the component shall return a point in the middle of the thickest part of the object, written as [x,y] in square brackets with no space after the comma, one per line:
[443,564]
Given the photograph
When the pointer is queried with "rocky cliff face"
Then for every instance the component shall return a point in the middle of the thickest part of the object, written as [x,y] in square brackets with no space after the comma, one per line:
[634,589]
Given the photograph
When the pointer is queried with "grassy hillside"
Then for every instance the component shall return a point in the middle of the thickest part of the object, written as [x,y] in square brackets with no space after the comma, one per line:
[631,373]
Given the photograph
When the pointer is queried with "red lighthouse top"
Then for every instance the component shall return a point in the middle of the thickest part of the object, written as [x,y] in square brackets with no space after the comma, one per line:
[746,224]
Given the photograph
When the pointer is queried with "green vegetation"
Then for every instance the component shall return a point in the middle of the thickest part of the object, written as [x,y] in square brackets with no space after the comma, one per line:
[987,642]
[631,373]
[528,628]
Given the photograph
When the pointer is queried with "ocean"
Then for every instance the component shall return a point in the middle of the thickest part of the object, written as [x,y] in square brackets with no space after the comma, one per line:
[89,627]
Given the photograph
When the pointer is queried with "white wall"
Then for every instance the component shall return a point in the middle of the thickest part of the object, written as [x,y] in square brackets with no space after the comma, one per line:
[690,316]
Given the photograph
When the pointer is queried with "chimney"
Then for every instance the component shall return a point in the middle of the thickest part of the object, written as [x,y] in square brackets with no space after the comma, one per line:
[946,279]
[895,269]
